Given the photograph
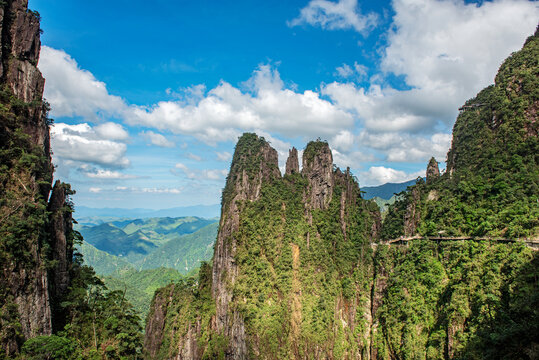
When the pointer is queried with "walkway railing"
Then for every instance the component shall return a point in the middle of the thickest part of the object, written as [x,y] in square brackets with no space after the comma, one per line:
[532,243]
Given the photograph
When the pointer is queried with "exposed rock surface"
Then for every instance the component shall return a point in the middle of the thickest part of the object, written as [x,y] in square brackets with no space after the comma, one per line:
[292,163]
[433,172]
[254,175]
[156,321]
[254,163]
[27,287]
[318,169]
[412,215]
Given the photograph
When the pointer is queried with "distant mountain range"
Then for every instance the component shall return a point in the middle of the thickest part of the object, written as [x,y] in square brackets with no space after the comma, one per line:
[204,211]
[385,191]
[137,256]
[179,243]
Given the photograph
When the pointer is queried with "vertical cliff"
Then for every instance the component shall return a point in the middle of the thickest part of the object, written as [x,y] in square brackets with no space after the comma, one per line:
[288,266]
[254,163]
[31,242]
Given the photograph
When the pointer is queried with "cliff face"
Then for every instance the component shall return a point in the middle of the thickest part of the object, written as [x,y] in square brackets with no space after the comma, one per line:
[280,239]
[255,162]
[29,238]
[292,163]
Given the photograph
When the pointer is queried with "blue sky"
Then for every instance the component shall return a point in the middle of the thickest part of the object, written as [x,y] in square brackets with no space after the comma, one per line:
[149,97]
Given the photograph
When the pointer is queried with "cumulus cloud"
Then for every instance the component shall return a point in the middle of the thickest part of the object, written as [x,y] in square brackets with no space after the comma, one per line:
[84,144]
[403,147]
[377,175]
[224,156]
[147,190]
[107,175]
[208,174]
[225,112]
[72,91]
[111,131]
[343,141]
[356,72]
[343,14]
[157,139]
[446,51]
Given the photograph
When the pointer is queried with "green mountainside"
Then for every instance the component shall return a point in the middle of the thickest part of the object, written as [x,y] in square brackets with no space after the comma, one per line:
[491,186]
[178,243]
[102,262]
[135,238]
[139,276]
[302,270]
[183,253]
[139,286]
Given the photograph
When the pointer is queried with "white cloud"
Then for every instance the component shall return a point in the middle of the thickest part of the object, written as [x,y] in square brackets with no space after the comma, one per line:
[343,141]
[194,157]
[208,174]
[225,112]
[356,72]
[72,91]
[352,159]
[403,147]
[377,175]
[82,143]
[446,51]
[111,131]
[215,174]
[95,190]
[108,175]
[157,139]
[343,14]
[224,156]
[147,190]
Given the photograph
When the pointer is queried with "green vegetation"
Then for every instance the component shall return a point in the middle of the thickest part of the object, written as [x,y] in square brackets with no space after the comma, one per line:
[139,286]
[292,275]
[102,262]
[457,300]
[491,187]
[180,256]
[134,239]
[183,253]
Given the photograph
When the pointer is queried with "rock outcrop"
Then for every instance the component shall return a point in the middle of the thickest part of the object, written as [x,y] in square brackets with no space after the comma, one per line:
[292,163]
[35,250]
[255,162]
[433,172]
[318,169]
[287,210]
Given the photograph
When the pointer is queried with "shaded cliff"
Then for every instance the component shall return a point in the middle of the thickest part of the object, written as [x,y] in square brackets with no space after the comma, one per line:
[33,243]
[286,268]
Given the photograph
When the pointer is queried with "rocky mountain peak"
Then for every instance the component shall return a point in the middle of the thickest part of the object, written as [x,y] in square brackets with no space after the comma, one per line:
[292,163]
[433,172]
[318,169]
[254,162]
